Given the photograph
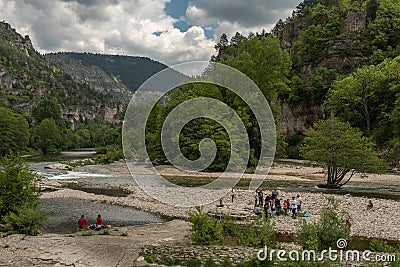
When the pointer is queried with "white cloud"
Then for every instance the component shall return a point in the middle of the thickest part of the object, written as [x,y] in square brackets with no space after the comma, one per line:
[128,26]
[239,16]
[124,27]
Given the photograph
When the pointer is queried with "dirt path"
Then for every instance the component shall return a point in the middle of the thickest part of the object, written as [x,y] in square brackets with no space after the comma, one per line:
[96,250]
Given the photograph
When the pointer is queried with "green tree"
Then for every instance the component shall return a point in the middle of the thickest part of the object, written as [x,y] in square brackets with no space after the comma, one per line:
[356,95]
[262,59]
[47,108]
[14,132]
[17,185]
[342,150]
[47,136]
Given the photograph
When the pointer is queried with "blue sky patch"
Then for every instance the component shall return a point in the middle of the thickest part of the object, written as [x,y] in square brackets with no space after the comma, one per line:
[176,8]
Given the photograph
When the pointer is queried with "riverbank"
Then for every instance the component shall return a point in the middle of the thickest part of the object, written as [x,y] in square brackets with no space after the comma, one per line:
[379,222]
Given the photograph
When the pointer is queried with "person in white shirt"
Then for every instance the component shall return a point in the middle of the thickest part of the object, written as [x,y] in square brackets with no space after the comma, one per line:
[299,202]
[294,207]
[233,194]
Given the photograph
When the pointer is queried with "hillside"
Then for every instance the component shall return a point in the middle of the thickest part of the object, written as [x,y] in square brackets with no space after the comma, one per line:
[26,78]
[343,61]
[115,74]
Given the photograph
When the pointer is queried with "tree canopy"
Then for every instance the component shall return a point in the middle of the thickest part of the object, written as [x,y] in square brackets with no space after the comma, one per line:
[342,150]
[14,132]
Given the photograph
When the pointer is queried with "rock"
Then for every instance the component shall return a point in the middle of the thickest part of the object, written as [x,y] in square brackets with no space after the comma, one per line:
[140,258]
[58,166]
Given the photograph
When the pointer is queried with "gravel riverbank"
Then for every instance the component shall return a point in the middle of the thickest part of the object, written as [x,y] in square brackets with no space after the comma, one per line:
[381,221]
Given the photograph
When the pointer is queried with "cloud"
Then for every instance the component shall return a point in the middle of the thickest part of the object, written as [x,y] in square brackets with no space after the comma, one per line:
[239,16]
[112,26]
[247,13]
[139,27]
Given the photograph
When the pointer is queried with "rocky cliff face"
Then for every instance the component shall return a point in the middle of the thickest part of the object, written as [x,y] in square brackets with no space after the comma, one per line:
[343,54]
[26,77]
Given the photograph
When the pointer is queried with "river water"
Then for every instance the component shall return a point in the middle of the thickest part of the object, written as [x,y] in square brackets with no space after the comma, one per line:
[63,213]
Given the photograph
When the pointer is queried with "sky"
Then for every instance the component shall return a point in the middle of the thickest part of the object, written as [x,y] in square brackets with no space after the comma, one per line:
[169,31]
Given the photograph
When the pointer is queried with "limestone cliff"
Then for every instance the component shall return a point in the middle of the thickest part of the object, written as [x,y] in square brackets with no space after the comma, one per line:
[26,77]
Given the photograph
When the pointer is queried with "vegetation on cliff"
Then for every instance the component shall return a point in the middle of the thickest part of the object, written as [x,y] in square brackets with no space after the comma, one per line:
[43,107]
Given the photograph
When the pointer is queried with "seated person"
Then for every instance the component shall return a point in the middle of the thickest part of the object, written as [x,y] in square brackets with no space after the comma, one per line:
[370,205]
[99,222]
[82,223]
[257,210]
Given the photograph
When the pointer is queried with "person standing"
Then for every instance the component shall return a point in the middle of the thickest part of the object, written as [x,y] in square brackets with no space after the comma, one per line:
[233,194]
[286,205]
[260,197]
[274,194]
[256,198]
[278,206]
[299,202]
[294,207]
[82,223]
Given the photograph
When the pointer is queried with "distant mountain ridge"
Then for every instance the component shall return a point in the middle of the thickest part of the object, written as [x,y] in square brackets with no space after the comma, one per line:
[115,74]
[27,77]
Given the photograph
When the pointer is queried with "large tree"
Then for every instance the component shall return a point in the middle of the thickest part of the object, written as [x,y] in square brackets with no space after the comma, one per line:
[342,150]
[47,136]
[357,95]
[14,132]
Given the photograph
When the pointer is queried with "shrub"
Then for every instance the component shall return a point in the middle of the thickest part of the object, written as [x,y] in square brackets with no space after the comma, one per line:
[193,263]
[210,263]
[87,233]
[17,186]
[19,200]
[381,246]
[206,230]
[324,233]
[26,220]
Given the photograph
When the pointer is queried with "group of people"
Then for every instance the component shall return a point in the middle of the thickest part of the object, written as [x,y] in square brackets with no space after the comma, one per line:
[272,203]
[82,223]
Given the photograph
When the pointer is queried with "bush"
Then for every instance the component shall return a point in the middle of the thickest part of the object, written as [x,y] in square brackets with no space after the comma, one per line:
[324,233]
[206,230]
[382,246]
[17,186]
[26,220]
[109,154]
[210,263]
[193,263]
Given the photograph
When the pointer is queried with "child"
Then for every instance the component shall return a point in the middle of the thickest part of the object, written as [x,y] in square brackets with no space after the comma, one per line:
[286,206]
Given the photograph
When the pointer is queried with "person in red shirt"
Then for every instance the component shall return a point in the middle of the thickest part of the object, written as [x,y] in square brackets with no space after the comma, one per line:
[99,222]
[82,223]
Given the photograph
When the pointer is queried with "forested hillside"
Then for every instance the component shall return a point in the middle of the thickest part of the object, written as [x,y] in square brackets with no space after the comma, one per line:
[118,74]
[344,61]
[44,108]
[330,58]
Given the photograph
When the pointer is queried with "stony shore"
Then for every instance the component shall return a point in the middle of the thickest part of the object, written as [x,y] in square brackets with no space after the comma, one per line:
[381,221]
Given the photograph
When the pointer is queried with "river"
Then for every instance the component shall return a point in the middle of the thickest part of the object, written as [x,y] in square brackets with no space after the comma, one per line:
[63,213]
